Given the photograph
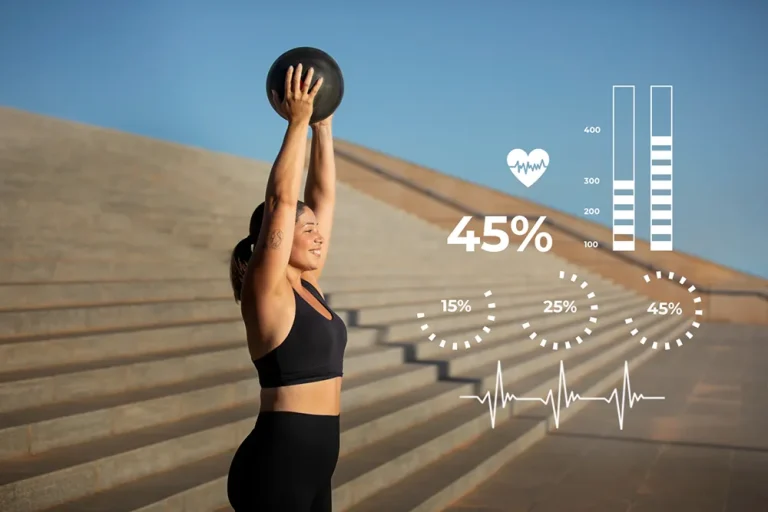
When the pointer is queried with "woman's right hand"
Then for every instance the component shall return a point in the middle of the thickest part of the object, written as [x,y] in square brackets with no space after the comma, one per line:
[298,104]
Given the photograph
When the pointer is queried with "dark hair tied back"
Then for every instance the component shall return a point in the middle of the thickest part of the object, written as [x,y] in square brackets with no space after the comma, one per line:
[241,255]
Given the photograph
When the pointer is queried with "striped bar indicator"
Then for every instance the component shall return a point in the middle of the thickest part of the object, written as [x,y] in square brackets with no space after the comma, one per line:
[623,150]
[661,167]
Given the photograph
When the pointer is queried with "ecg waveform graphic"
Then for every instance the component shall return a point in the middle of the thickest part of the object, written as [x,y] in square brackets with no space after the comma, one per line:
[526,166]
[562,397]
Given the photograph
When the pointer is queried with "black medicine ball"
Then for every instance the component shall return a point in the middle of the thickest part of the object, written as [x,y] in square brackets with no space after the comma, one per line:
[331,93]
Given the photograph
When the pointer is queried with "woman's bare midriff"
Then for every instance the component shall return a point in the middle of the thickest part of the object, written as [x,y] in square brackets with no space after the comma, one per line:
[323,398]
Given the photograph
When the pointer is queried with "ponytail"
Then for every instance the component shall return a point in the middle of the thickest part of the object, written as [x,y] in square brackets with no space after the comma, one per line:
[238,264]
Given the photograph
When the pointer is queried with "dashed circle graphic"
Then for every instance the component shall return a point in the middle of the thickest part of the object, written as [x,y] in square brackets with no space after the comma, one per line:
[587,330]
[697,312]
[466,343]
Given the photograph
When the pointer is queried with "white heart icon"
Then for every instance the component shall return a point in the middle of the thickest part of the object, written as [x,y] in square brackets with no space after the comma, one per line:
[528,168]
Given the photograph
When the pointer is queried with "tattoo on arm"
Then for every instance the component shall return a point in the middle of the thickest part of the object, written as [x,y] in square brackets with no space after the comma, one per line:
[275,239]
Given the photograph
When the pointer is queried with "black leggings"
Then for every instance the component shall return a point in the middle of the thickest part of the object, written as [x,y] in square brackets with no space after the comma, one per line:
[285,464]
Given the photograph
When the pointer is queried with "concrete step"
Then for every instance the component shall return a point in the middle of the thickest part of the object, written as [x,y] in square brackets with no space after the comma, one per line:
[84,181]
[51,389]
[214,213]
[48,265]
[172,199]
[36,323]
[26,271]
[54,354]
[95,249]
[73,215]
[437,485]
[196,487]
[189,250]
[110,346]
[88,232]
[66,240]
[121,182]
[48,295]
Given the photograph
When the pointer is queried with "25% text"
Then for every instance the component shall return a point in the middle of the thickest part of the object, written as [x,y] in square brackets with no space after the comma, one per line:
[560,306]
[492,228]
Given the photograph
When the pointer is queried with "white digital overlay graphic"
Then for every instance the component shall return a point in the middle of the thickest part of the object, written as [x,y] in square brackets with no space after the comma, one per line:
[670,308]
[528,167]
[519,226]
[624,192]
[556,399]
[567,307]
[460,306]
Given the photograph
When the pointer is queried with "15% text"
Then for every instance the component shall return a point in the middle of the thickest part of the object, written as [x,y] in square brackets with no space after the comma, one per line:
[454,305]
[492,228]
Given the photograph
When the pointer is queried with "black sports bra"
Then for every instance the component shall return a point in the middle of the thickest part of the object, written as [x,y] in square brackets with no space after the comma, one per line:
[312,351]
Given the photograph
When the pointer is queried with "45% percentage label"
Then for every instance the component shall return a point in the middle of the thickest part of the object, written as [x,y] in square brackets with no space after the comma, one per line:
[665,308]
[519,226]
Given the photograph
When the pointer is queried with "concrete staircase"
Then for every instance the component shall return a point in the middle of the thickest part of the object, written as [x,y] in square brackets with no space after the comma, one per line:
[125,382]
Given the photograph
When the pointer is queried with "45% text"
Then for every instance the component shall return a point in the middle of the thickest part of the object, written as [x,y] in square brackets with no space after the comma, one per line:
[519,226]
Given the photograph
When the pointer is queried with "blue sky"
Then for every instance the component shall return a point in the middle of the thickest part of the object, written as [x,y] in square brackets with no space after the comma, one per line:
[451,85]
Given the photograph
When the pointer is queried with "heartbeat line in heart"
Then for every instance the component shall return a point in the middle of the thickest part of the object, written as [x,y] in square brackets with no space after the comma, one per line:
[525,166]
[562,397]
[528,168]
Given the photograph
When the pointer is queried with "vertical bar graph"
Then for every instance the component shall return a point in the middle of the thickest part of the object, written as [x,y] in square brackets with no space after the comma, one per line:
[623,150]
[661,168]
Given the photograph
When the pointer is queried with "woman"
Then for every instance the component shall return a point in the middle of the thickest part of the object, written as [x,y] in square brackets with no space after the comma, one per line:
[295,339]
